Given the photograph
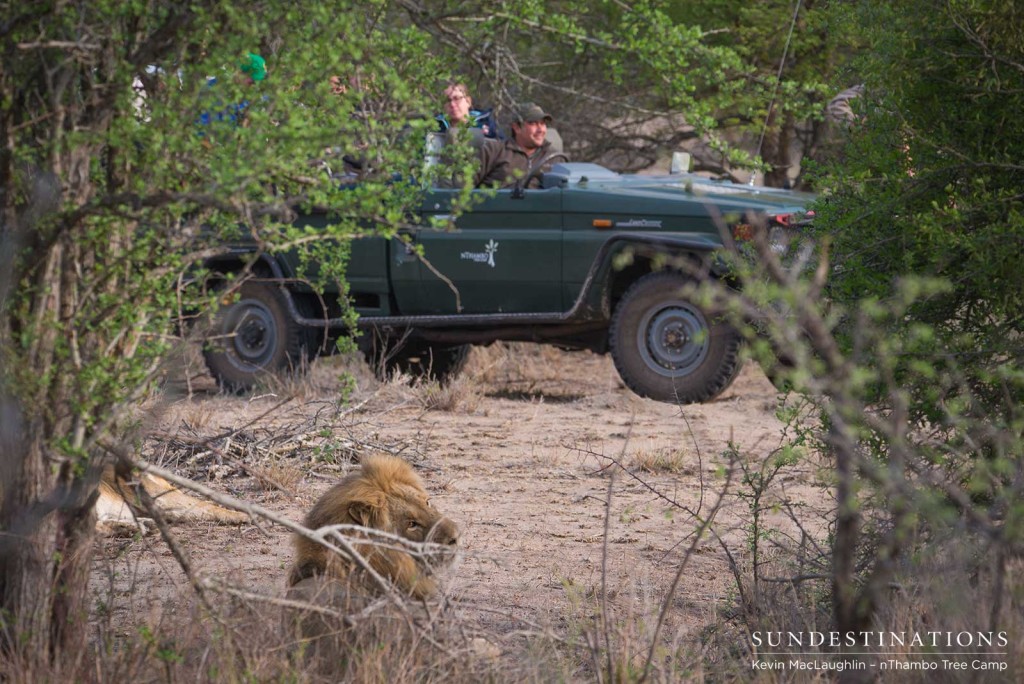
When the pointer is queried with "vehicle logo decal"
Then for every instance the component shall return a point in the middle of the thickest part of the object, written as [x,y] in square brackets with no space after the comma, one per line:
[638,223]
[484,257]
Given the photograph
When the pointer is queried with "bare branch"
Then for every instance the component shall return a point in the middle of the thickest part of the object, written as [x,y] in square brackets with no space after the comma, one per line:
[60,45]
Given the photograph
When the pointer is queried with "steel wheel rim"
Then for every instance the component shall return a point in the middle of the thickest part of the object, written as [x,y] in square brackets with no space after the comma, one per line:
[252,333]
[673,339]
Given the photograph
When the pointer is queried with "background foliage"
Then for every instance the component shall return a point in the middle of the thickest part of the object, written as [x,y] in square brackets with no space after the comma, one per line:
[628,84]
[133,149]
[907,339]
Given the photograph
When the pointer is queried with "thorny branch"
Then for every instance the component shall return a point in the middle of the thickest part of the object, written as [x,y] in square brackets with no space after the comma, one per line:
[617,462]
[698,538]
[327,537]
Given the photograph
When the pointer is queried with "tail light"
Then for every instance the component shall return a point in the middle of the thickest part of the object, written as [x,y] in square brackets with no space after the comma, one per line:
[787,220]
[778,226]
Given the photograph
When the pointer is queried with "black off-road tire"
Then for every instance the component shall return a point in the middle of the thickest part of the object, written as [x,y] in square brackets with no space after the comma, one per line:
[668,348]
[254,336]
[416,359]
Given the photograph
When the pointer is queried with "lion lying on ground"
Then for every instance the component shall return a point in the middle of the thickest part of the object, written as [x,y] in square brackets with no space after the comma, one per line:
[385,494]
[117,509]
[338,606]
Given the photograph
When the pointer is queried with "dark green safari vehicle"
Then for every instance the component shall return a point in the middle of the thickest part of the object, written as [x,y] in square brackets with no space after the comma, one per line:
[536,264]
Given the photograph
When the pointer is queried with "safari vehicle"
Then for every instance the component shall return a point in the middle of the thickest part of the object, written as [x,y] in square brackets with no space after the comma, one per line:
[574,263]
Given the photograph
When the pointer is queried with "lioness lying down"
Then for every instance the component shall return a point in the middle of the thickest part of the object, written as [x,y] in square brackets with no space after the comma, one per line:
[118,511]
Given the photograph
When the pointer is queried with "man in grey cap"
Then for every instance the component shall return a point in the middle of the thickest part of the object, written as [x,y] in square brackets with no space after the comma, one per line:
[504,162]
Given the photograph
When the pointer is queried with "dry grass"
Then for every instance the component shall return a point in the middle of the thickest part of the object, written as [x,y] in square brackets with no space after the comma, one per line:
[197,415]
[241,633]
[248,639]
[661,460]
[501,362]
[604,633]
[948,586]
[277,474]
[608,633]
[297,383]
[524,370]
[461,395]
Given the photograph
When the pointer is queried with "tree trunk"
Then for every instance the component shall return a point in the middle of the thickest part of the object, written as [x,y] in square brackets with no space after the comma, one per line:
[49,526]
[777,152]
[46,513]
[847,538]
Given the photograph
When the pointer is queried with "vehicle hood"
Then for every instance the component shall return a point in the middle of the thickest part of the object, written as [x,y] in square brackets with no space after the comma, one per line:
[603,191]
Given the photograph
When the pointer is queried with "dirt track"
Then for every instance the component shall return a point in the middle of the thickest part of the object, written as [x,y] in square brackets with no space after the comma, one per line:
[521,454]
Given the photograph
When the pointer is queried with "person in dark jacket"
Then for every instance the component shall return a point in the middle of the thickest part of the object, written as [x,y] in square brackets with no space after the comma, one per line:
[503,163]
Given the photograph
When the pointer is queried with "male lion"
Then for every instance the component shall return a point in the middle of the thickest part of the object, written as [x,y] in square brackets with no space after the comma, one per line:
[386,495]
[339,610]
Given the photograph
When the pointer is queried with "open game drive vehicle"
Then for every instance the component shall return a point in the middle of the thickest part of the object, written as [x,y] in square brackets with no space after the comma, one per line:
[588,261]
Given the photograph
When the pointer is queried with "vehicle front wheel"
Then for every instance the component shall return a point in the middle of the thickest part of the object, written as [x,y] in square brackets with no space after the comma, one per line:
[668,348]
[253,336]
[416,359]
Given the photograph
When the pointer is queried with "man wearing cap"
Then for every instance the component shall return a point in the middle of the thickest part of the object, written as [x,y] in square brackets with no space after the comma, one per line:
[502,163]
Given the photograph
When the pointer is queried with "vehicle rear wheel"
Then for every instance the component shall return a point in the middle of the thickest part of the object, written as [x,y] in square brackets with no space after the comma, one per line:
[254,336]
[668,348]
[416,359]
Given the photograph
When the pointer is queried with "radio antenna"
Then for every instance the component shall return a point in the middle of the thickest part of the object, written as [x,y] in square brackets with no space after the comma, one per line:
[778,80]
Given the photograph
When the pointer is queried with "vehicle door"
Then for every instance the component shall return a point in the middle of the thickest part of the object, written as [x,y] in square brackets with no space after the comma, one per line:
[502,256]
[381,272]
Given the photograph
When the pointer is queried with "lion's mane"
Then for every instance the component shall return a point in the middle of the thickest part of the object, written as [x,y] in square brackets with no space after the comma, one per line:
[384,494]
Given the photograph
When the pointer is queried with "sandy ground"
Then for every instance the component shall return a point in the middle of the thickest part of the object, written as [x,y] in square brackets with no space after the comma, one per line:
[523,453]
